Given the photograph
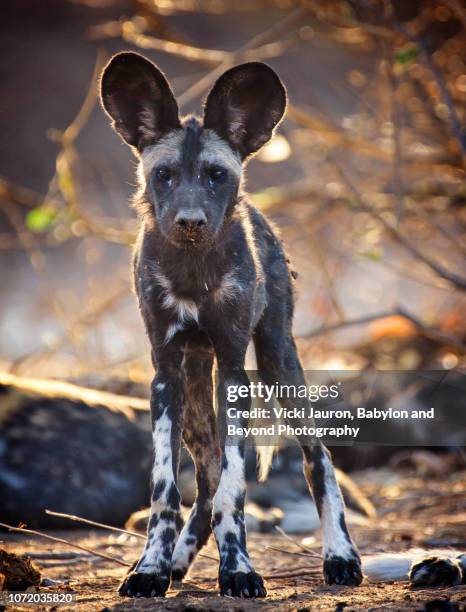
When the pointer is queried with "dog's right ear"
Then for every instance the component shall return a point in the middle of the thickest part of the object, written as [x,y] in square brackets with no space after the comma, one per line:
[138,99]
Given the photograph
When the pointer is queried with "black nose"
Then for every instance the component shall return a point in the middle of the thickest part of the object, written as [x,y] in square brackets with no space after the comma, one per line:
[190,219]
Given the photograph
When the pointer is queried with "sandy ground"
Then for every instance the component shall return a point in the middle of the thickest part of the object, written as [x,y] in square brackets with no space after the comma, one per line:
[412,513]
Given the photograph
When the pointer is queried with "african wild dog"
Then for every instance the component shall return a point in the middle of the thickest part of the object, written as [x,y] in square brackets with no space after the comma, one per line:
[210,275]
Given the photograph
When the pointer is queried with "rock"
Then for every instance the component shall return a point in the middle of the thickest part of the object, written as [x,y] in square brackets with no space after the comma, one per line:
[17,573]
[71,450]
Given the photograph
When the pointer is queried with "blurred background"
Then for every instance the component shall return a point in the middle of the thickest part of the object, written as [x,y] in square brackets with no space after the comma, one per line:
[365,179]
[365,176]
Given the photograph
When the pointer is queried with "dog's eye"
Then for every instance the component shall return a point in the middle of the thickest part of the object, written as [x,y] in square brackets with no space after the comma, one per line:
[216,175]
[164,174]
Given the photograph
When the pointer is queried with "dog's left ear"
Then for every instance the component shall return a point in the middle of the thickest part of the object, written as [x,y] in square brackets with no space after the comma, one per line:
[245,105]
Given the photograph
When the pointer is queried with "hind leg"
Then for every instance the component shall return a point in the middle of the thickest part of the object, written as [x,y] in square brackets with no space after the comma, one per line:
[200,437]
[278,362]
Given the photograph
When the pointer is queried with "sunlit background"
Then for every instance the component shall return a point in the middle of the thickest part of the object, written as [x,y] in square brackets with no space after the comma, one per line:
[365,180]
[365,177]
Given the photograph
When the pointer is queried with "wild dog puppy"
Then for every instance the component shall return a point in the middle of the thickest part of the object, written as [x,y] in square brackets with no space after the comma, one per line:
[210,276]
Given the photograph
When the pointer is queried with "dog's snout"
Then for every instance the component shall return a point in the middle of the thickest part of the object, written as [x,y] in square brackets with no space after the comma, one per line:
[190,219]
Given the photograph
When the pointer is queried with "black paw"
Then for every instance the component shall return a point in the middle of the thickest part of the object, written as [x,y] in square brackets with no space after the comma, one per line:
[338,570]
[178,574]
[240,584]
[137,584]
[436,571]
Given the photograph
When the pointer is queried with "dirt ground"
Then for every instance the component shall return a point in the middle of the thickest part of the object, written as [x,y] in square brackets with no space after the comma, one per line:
[414,512]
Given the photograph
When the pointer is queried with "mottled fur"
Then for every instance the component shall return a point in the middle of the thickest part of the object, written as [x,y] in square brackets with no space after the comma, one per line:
[211,276]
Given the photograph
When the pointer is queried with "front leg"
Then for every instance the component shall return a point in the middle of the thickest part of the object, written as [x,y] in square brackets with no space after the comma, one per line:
[236,577]
[151,575]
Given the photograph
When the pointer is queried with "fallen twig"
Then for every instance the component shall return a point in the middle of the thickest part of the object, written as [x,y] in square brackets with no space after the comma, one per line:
[297,568]
[73,517]
[290,552]
[52,556]
[294,574]
[310,552]
[90,560]
[63,541]
[79,519]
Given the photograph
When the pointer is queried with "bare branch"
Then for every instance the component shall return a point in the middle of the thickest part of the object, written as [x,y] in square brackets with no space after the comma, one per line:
[334,137]
[100,227]
[458,9]
[25,238]
[257,41]
[75,127]
[456,280]
[23,196]
[430,332]
[397,151]
[458,131]
[430,221]
[325,329]
[301,189]
[131,31]
[87,317]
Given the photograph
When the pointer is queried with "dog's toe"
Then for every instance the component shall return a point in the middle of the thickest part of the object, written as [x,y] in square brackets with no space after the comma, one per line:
[241,584]
[138,584]
[338,570]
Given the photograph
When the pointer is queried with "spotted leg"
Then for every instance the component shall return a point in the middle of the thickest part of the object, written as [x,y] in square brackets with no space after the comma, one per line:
[278,362]
[237,577]
[342,564]
[151,575]
[200,436]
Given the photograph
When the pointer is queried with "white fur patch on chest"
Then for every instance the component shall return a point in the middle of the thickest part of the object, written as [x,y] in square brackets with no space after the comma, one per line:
[184,310]
[229,287]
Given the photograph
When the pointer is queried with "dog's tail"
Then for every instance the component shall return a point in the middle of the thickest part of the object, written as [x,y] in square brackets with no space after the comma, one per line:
[264,452]
[265,457]
[422,567]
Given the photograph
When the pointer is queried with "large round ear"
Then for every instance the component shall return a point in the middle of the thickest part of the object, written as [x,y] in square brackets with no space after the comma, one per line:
[138,99]
[245,105]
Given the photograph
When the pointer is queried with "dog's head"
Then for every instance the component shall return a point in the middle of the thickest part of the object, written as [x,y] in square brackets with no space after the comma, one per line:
[191,169]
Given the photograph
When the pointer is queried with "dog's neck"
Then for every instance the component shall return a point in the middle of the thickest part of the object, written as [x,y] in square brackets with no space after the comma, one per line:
[192,270]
